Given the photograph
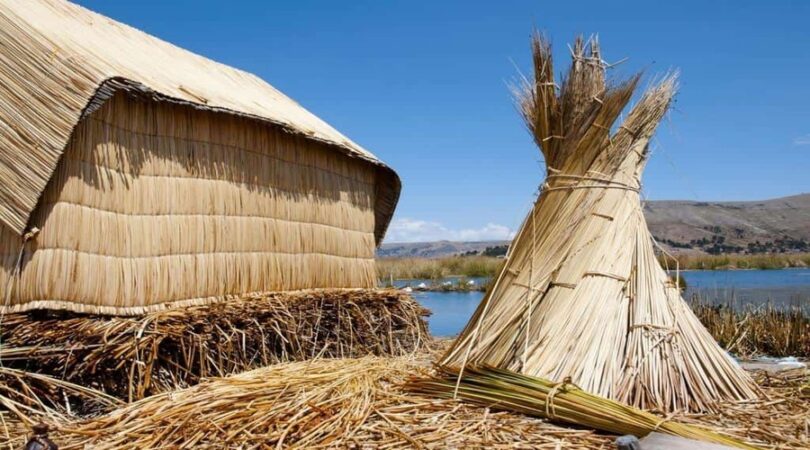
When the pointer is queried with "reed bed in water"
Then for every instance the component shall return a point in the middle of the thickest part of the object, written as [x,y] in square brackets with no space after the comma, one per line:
[688,261]
[133,357]
[432,269]
[361,403]
[762,331]
[489,266]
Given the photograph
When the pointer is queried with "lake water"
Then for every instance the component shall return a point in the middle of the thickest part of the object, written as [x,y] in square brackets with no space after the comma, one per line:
[452,310]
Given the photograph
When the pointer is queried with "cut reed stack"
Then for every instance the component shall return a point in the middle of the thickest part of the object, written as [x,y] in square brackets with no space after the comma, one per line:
[581,295]
[136,175]
[135,357]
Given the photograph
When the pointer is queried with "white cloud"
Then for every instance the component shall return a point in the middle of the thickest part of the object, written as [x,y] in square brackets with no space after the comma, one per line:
[413,230]
[802,140]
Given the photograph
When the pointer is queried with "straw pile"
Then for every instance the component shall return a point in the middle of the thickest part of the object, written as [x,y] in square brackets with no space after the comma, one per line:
[28,396]
[581,294]
[132,358]
[360,403]
[348,403]
[780,419]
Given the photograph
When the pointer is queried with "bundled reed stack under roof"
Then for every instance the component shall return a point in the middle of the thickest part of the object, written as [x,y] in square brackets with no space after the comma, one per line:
[581,295]
[135,357]
[136,176]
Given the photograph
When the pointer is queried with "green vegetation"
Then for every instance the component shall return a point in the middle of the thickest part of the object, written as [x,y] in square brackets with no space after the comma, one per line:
[739,261]
[497,250]
[488,266]
[434,269]
[716,244]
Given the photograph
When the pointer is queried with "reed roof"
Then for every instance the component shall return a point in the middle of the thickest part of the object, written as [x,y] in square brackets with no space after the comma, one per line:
[59,61]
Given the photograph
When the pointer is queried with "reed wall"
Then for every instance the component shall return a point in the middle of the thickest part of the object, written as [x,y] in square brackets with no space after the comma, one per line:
[156,203]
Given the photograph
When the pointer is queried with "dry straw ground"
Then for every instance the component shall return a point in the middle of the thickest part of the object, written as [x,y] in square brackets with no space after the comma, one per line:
[360,403]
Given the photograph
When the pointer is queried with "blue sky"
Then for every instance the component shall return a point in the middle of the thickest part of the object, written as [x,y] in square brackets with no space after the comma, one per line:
[424,85]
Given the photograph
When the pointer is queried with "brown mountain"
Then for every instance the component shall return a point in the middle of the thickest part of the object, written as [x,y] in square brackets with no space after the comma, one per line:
[436,249]
[781,224]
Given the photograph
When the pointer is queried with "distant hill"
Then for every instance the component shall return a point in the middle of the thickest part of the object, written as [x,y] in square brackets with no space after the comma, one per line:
[781,224]
[436,249]
[729,227]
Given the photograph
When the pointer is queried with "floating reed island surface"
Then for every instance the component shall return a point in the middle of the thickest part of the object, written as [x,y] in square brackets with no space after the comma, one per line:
[365,403]
[133,357]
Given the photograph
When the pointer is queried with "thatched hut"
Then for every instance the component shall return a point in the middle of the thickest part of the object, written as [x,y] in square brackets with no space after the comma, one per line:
[136,175]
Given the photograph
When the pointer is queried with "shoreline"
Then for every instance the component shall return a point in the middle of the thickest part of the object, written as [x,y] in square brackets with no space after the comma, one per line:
[477,266]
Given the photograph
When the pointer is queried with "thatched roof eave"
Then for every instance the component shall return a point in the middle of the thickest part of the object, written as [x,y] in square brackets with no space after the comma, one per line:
[389,184]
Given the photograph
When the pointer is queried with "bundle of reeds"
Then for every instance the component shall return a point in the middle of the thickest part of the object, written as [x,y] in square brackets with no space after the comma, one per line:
[581,294]
[562,402]
[133,357]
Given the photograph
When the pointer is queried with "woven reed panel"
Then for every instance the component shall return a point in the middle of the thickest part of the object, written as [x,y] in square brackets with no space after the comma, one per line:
[156,203]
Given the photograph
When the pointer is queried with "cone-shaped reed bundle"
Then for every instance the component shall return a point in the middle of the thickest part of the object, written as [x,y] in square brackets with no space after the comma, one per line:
[581,294]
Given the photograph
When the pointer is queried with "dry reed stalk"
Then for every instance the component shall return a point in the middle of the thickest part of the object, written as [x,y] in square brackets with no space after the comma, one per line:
[155,203]
[60,61]
[32,396]
[581,294]
[131,358]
